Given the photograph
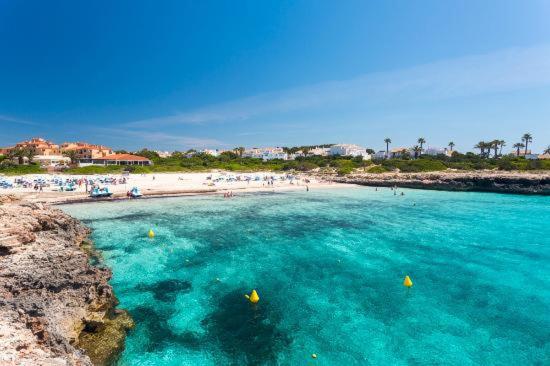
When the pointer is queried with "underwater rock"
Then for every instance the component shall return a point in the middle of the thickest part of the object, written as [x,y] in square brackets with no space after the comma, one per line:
[103,339]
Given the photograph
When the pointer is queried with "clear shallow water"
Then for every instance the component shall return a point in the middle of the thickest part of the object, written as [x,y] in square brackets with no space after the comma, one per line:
[328,266]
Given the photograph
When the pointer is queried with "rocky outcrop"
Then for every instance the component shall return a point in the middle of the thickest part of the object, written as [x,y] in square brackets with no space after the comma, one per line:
[479,181]
[55,307]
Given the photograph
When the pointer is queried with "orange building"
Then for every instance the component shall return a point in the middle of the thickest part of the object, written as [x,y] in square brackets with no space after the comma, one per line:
[38,146]
[86,152]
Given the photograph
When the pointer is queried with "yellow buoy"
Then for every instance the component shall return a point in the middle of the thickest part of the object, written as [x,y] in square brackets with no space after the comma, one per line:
[407,282]
[151,233]
[253,297]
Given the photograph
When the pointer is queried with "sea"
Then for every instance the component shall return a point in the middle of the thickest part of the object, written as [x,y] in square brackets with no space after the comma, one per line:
[328,266]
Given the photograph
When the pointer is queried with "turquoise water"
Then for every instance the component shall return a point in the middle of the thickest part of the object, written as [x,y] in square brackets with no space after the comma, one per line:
[328,266]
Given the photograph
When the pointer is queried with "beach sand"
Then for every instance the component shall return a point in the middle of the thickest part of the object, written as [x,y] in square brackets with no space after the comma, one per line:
[166,184]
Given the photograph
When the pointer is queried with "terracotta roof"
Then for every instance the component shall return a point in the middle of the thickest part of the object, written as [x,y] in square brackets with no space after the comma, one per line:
[83,145]
[123,157]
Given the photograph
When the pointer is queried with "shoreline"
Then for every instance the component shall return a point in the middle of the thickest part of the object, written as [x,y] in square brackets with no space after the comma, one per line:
[175,193]
[166,185]
[190,184]
[56,306]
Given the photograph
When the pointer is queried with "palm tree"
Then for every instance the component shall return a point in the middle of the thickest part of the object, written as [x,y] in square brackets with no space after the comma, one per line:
[451,145]
[518,146]
[481,146]
[494,145]
[421,141]
[239,151]
[547,151]
[417,150]
[387,140]
[488,146]
[502,143]
[527,138]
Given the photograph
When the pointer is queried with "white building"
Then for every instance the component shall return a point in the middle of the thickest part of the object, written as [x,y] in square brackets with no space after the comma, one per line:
[259,153]
[434,151]
[380,154]
[274,155]
[164,154]
[349,150]
[319,151]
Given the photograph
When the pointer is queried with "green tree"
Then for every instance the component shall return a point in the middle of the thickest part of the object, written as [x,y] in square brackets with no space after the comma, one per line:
[239,151]
[21,154]
[494,145]
[547,151]
[417,151]
[149,154]
[71,154]
[518,146]
[29,154]
[502,143]
[481,146]
[421,141]
[451,145]
[387,140]
[526,138]
[16,153]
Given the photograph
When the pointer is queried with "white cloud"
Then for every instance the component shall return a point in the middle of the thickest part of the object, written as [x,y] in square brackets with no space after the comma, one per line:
[161,138]
[4,118]
[501,71]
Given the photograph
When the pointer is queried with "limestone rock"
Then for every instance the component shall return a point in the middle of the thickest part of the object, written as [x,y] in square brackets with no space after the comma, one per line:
[49,291]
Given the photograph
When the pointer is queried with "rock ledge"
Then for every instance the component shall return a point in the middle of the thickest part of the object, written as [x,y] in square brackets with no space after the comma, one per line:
[55,308]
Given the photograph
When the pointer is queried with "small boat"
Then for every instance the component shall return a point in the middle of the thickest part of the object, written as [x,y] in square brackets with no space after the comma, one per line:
[100,192]
[68,188]
[135,193]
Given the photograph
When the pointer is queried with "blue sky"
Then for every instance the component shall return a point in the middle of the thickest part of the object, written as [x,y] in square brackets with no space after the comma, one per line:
[181,74]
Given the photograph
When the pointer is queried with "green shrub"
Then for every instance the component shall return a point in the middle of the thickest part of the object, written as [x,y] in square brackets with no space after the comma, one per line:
[378,169]
[345,170]
[418,165]
[14,169]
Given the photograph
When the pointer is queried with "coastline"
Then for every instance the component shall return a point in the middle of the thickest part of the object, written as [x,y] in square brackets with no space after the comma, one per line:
[56,308]
[188,184]
[478,181]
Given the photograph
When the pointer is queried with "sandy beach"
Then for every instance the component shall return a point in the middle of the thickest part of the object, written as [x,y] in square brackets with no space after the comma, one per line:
[164,184]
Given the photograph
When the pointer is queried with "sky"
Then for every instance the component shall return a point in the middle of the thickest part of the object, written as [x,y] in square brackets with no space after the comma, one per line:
[174,75]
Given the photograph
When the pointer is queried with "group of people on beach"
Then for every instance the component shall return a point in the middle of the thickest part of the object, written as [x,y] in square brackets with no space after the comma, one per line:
[228,194]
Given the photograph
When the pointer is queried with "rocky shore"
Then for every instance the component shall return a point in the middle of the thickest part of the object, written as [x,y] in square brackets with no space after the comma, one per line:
[478,181]
[55,307]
